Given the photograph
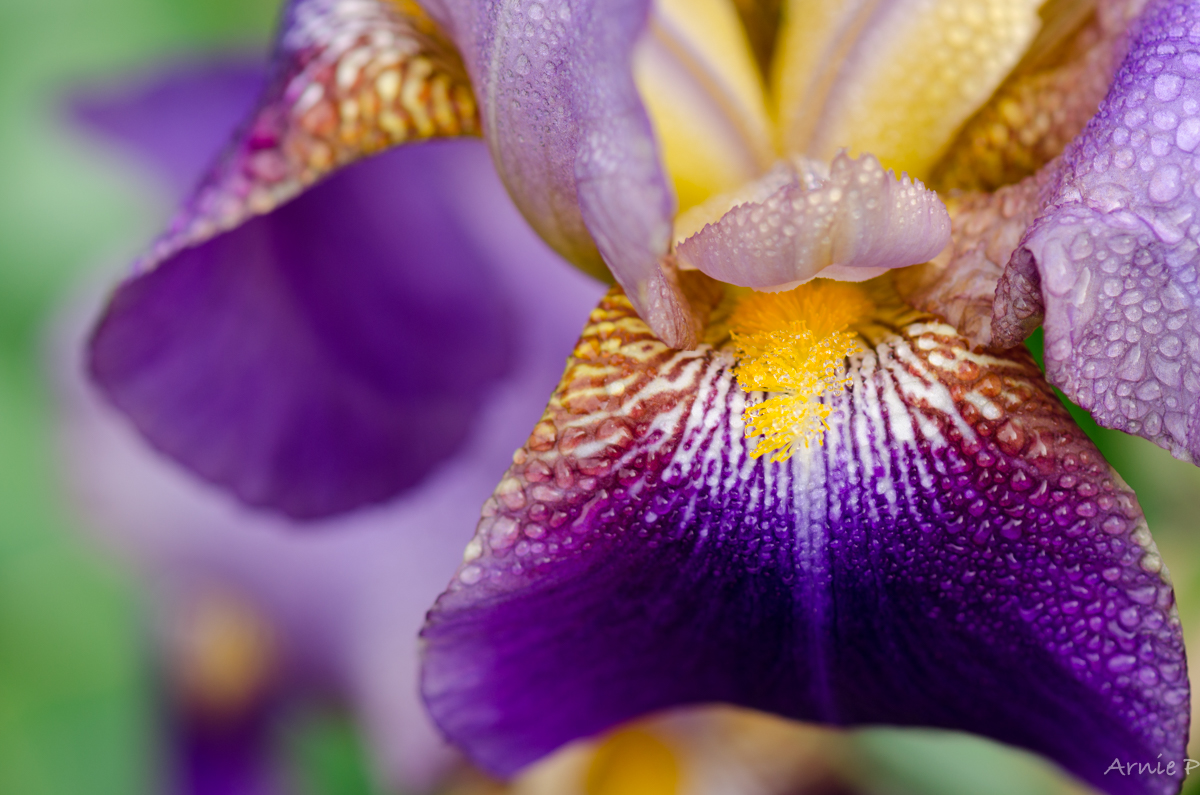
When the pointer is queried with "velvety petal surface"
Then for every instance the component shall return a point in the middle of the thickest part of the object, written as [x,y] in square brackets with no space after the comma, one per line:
[956,554]
[572,139]
[1113,260]
[321,357]
[272,347]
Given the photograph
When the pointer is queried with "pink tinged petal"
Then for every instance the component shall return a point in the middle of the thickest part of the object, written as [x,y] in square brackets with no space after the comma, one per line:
[572,140]
[1113,261]
[850,222]
[349,78]
[957,554]
[959,284]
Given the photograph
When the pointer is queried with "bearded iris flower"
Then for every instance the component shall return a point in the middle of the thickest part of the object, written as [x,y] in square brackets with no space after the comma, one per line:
[846,503]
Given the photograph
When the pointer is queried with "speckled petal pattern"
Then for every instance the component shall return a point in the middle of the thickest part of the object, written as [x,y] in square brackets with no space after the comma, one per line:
[957,554]
[959,284]
[572,140]
[1116,253]
[349,78]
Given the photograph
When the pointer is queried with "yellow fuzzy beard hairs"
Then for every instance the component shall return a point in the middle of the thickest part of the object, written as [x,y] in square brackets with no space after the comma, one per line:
[794,343]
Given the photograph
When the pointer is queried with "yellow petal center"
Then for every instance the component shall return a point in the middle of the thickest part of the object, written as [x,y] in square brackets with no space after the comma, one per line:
[794,344]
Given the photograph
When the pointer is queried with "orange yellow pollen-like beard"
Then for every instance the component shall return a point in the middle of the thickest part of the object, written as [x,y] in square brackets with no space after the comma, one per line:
[794,343]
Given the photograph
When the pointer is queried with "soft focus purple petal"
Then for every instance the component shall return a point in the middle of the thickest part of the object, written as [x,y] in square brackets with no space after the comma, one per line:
[224,758]
[1113,260]
[323,356]
[571,137]
[346,604]
[174,118]
[957,554]
[274,353]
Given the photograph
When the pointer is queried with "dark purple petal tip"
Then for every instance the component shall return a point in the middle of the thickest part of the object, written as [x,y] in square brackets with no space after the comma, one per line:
[957,554]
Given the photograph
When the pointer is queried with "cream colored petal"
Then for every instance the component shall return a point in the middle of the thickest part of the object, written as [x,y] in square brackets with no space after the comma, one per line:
[698,79]
[894,78]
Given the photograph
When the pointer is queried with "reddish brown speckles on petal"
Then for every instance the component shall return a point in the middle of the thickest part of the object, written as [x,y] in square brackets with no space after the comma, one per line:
[544,436]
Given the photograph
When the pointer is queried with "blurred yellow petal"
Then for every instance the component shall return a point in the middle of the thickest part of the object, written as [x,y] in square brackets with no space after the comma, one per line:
[633,762]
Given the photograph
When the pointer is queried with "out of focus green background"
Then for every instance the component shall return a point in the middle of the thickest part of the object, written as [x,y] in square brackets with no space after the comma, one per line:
[77,714]
[77,708]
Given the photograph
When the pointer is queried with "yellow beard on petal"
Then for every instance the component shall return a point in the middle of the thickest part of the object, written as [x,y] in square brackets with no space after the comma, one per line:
[795,344]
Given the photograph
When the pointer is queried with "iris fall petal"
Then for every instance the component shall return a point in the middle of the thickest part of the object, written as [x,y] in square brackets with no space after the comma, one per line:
[956,554]
[349,78]
[286,359]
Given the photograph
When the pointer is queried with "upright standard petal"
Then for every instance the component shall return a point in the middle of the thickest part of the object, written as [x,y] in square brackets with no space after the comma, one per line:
[1113,261]
[1046,100]
[895,78]
[572,139]
[957,554]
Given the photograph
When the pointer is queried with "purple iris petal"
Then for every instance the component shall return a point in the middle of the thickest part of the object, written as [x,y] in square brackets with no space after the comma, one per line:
[319,357]
[219,757]
[174,120]
[345,603]
[1113,260]
[571,137]
[957,554]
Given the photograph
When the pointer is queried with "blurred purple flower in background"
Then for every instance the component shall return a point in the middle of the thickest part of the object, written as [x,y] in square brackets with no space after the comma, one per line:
[953,552]
[266,612]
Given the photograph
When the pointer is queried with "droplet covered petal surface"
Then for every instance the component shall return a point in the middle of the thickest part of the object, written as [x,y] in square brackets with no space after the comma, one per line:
[851,221]
[1112,261]
[955,554]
